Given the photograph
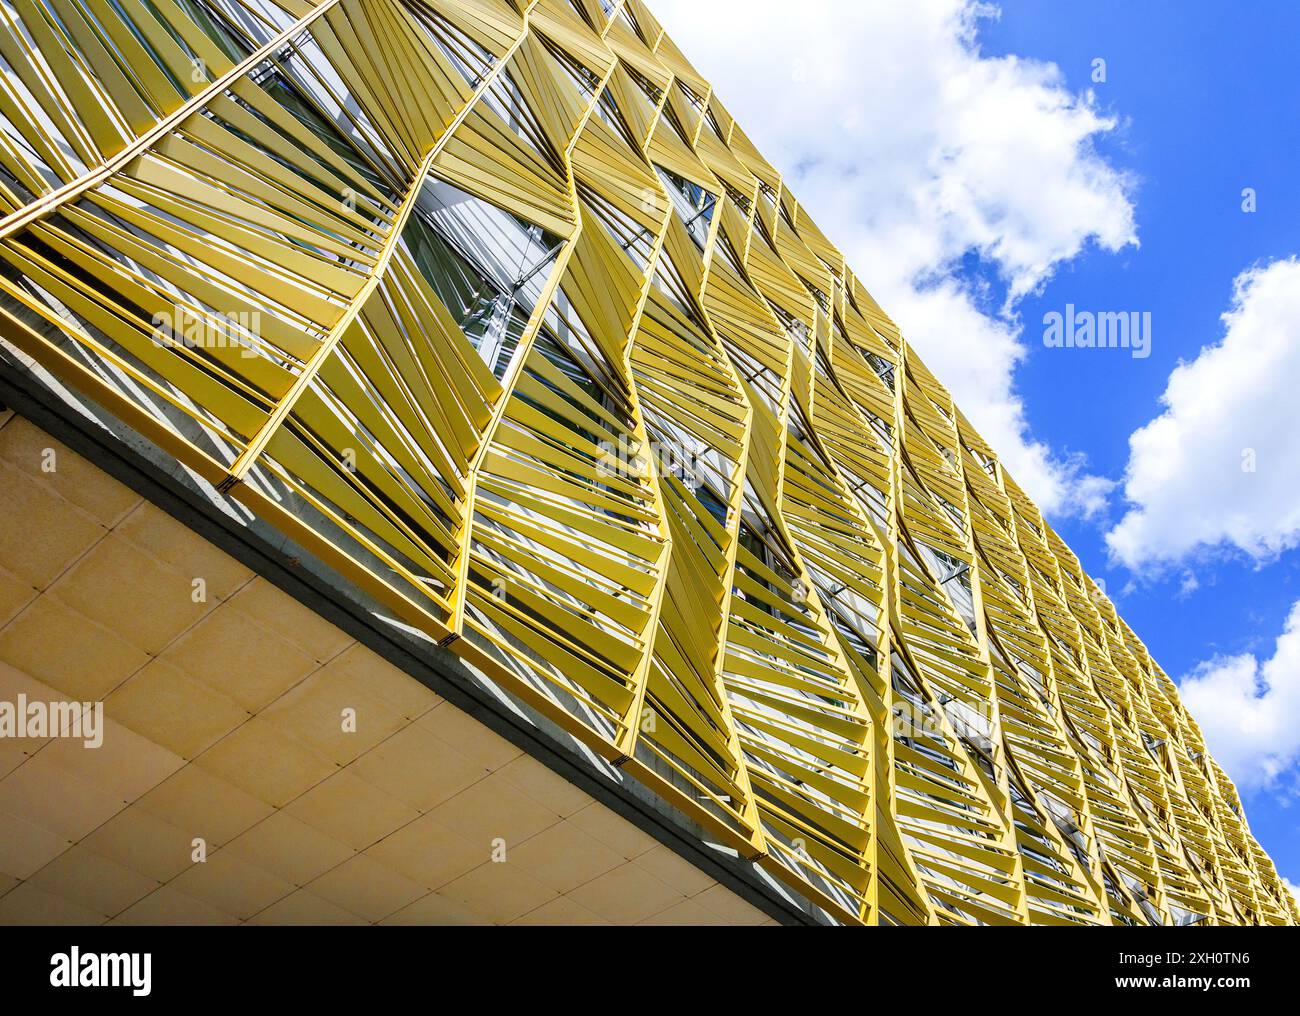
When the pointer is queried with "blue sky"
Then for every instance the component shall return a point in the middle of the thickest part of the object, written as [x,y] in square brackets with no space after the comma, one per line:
[1209,107]
[1208,99]
[979,177]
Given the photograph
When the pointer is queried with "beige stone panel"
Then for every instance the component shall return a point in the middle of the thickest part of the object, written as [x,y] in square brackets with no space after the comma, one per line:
[28,904]
[289,849]
[91,880]
[730,907]
[364,668]
[564,857]
[562,911]
[125,764]
[232,885]
[282,615]
[476,742]
[686,913]
[429,854]
[235,655]
[131,593]
[367,888]
[670,867]
[305,908]
[351,810]
[144,843]
[168,907]
[627,895]
[26,847]
[43,537]
[417,768]
[544,786]
[75,479]
[63,648]
[493,809]
[266,761]
[500,892]
[314,710]
[48,796]
[435,909]
[613,830]
[179,712]
[211,807]
[15,594]
[158,534]
[14,751]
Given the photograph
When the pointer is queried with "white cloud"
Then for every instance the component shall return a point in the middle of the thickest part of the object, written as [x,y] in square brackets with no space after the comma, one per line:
[1293,889]
[912,150]
[1189,481]
[1248,708]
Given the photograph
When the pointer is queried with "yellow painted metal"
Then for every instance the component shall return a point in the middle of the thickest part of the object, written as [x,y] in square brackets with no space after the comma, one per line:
[710,514]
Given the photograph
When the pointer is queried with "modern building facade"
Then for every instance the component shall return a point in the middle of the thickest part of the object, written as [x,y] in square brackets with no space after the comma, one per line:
[476,489]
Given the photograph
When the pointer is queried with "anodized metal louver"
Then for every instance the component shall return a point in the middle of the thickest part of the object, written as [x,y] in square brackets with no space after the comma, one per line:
[492,307]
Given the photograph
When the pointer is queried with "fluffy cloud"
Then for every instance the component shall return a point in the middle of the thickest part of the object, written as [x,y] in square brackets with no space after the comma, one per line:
[1220,467]
[914,151]
[1247,709]
[1293,889]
